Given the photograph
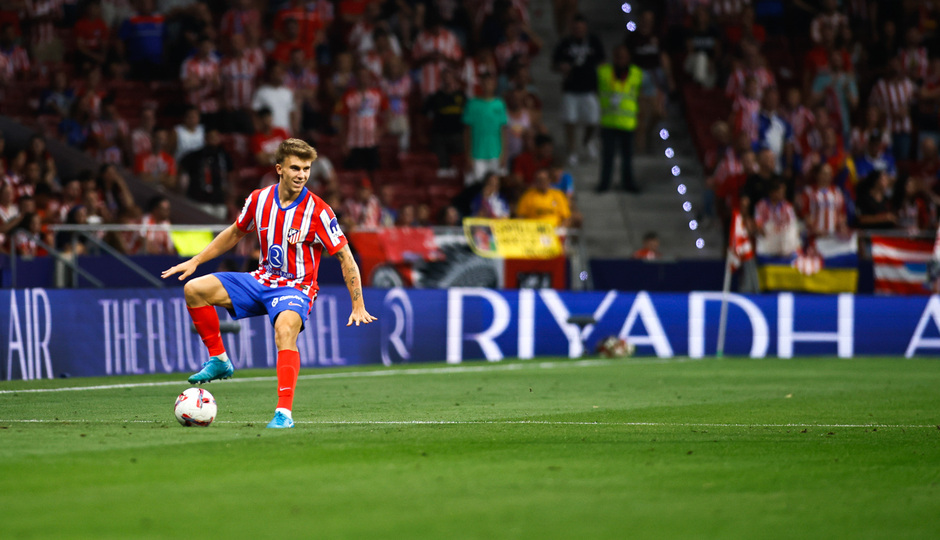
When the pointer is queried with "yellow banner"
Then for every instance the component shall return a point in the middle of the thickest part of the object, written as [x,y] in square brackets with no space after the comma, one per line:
[512,238]
[189,243]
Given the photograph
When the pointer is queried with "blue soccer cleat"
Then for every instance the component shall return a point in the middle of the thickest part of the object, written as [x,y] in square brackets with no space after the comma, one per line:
[281,420]
[215,368]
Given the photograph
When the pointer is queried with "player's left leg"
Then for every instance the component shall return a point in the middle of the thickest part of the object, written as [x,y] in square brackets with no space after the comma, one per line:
[287,327]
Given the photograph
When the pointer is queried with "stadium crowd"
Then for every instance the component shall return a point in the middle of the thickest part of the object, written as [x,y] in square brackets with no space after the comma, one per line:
[423,112]
[825,113]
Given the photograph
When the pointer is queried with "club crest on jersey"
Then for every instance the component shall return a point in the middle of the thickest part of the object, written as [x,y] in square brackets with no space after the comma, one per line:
[293,235]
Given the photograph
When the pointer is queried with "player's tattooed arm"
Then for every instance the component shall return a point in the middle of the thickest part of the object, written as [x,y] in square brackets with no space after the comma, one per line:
[354,283]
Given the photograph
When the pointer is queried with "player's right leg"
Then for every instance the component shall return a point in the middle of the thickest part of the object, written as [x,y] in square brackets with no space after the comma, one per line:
[202,295]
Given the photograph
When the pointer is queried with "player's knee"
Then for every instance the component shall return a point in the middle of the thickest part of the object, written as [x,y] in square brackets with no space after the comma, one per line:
[194,292]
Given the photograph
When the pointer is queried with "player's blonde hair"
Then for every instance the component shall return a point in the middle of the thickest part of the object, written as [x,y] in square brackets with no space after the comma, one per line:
[297,148]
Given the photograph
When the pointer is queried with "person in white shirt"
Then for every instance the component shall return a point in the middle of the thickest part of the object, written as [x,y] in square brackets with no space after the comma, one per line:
[188,136]
[274,95]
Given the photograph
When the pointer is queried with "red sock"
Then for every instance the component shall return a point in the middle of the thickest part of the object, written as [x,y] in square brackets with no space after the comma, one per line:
[288,367]
[207,326]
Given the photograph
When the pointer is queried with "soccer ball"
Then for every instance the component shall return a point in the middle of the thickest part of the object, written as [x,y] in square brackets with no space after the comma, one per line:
[615,347]
[195,407]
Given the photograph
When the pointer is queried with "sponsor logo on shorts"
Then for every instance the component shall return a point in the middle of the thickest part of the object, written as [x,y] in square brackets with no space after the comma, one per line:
[287,297]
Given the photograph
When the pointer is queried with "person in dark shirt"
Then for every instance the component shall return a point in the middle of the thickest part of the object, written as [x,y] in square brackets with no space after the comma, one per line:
[576,57]
[210,172]
[142,39]
[873,210]
[757,186]
[445,108]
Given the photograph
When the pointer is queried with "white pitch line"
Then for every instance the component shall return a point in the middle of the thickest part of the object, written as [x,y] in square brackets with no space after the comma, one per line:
[355,374]
[494,422]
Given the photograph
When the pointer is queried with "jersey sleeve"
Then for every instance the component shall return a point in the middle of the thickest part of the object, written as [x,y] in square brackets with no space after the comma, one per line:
[326,227]
[246,219]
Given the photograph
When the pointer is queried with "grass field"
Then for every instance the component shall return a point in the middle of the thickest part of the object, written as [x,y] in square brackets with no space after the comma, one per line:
[637,448]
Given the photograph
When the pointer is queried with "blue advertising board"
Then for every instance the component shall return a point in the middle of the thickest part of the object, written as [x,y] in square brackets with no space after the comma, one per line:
[57,332]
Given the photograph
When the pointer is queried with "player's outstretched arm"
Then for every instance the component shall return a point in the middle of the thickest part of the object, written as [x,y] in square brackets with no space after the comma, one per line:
[354,284]
[225,241]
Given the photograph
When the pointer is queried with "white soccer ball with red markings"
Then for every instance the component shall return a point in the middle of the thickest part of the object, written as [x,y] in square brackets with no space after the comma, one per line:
[196,407]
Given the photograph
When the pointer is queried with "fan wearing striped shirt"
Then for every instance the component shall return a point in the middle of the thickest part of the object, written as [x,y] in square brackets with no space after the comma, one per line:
[293,227]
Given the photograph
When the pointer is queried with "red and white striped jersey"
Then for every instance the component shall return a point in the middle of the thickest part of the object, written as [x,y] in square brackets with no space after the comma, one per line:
[914,62]
[774,218]
[860,136]
[894,97]
[44,14]
[17,57]
[238,81]
[426,44]
[745,113]
[305,79]
[738,80]
[206,72]
[365,214]
[6,69]
[800,119]
[362,110]
[157,241]
[241,21]
[256,56]
[141,141]
[292,238]
[822,209]
[398,93]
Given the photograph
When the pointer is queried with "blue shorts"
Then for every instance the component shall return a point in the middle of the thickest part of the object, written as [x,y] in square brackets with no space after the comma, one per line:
[250,298]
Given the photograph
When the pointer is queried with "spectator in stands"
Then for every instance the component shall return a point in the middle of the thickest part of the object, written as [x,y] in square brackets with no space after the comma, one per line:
[895,94]
[528,163]
[188,136]
[37,150]
[302,78]
[364,111]
[75,128]
[913,56]
[520,128]
[387,200]
[112,196]
[24,237]
[874,121]
[110,135]
[157,241]
[490,203]
[92,38]
[322,177]
[265,141]
[875,158]
[916,210]
[745,109]
[822,205]
[703,49]
[928,166]
[577,57]
[543,202]
[241,19]
[435,49]
[474,67]
[343,77]
[201,81]
[773,131]
[157,167]
[385,50]
[406,216]
[207,174]
[745,27]
[485,136]
[142,135]
[520,44]
[16,57]
[873,208]
[758,184]
[829,18]
[836,88]
[290,41]
[10,215]
[650,249]
[279,99]
[620,84]
[142,41]
[422,215]
[396,85]
[91,90]
[752,65]
[776,224]
[445,108]
[237,73]
[57,98]
[450,217]
[364,210]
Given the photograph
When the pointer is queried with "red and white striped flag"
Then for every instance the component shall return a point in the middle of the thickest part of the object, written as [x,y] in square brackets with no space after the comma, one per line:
[901,264]
[740,247]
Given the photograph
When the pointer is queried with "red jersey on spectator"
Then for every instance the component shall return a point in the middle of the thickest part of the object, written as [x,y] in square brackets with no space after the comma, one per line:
[311,18]
[206,71]
[150,163]
[157,241]
[291,238]
[736,81]
[363,108]
[92,33]
[268,142]
[526,165]
[18,58]
[241,21]
[914,62]
[822,209]
[894,97]
[238,81]
[445,43]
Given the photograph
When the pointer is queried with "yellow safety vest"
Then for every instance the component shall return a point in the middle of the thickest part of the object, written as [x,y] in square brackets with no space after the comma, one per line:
[618,97]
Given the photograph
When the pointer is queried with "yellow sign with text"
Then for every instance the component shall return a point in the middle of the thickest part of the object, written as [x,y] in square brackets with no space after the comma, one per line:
[512,238]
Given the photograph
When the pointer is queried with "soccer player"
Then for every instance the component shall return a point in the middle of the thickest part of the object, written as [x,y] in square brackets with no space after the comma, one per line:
[294,226]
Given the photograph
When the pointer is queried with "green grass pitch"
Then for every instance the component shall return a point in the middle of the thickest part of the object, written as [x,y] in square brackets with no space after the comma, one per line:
[549,448]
